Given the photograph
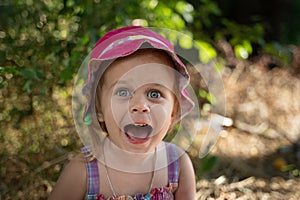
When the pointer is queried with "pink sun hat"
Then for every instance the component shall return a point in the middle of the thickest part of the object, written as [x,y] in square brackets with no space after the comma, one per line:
[123,42]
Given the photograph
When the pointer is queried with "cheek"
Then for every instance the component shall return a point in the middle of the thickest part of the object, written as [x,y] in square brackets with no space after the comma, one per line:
[161,117]
[118,108]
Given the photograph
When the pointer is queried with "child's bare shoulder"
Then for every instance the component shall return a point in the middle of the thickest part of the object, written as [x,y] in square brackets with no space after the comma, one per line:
[77,162]
[182,153]
[79,158]
[72,181]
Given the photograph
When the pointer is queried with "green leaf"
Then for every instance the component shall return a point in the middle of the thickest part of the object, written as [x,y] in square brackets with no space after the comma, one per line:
[240,52]
[178,21]
[84,40]
[295,172]
[186,42]
[206,95]
[243,50]
[288,167]
[207,163]
[205,51]
[27,87]
[66,74]
[184,7]
[218,66]
[30,74]
[9,69]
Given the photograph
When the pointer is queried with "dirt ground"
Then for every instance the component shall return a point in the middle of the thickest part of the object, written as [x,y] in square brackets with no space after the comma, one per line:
[259,155]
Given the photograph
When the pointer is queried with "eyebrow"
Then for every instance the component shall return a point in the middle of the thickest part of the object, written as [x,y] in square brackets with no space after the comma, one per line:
[125,82]
[117,82]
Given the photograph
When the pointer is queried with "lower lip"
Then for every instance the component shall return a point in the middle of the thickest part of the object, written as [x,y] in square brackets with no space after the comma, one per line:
[133,140]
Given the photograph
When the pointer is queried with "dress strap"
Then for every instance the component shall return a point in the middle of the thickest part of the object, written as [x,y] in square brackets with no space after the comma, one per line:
[92,172]
[173,160]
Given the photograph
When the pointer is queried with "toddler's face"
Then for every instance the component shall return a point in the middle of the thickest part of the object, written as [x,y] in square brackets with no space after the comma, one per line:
[137,99]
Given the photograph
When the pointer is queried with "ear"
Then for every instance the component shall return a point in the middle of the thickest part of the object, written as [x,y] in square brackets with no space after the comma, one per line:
[100,117]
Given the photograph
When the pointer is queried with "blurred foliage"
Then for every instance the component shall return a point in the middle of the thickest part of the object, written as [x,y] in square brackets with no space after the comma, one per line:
[207,164]
[42,44]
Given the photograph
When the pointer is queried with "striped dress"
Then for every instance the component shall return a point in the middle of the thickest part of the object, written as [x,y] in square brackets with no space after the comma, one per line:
[163,193]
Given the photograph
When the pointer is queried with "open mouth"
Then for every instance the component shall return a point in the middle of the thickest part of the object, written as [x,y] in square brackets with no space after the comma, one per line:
[138,133]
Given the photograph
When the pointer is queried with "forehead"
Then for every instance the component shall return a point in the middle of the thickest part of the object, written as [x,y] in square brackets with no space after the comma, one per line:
[144,64]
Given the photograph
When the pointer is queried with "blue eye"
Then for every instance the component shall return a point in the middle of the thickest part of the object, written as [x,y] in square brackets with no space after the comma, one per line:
[123,93]
[154,94]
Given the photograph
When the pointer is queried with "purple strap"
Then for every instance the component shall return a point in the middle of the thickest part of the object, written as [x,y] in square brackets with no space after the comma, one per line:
[173,167]
[92,172]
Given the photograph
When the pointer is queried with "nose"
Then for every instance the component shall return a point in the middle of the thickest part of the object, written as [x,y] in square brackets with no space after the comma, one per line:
[138,104]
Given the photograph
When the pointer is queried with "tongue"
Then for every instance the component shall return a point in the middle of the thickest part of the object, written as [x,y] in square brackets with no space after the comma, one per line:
[137,132]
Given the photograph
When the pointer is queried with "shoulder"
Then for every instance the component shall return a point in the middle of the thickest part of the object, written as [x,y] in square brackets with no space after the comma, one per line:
[183,158]
[77,164]
[185,163]
[179,154]
[72,181]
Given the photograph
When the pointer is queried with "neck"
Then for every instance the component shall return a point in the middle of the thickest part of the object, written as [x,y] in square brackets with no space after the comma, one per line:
[130,162]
